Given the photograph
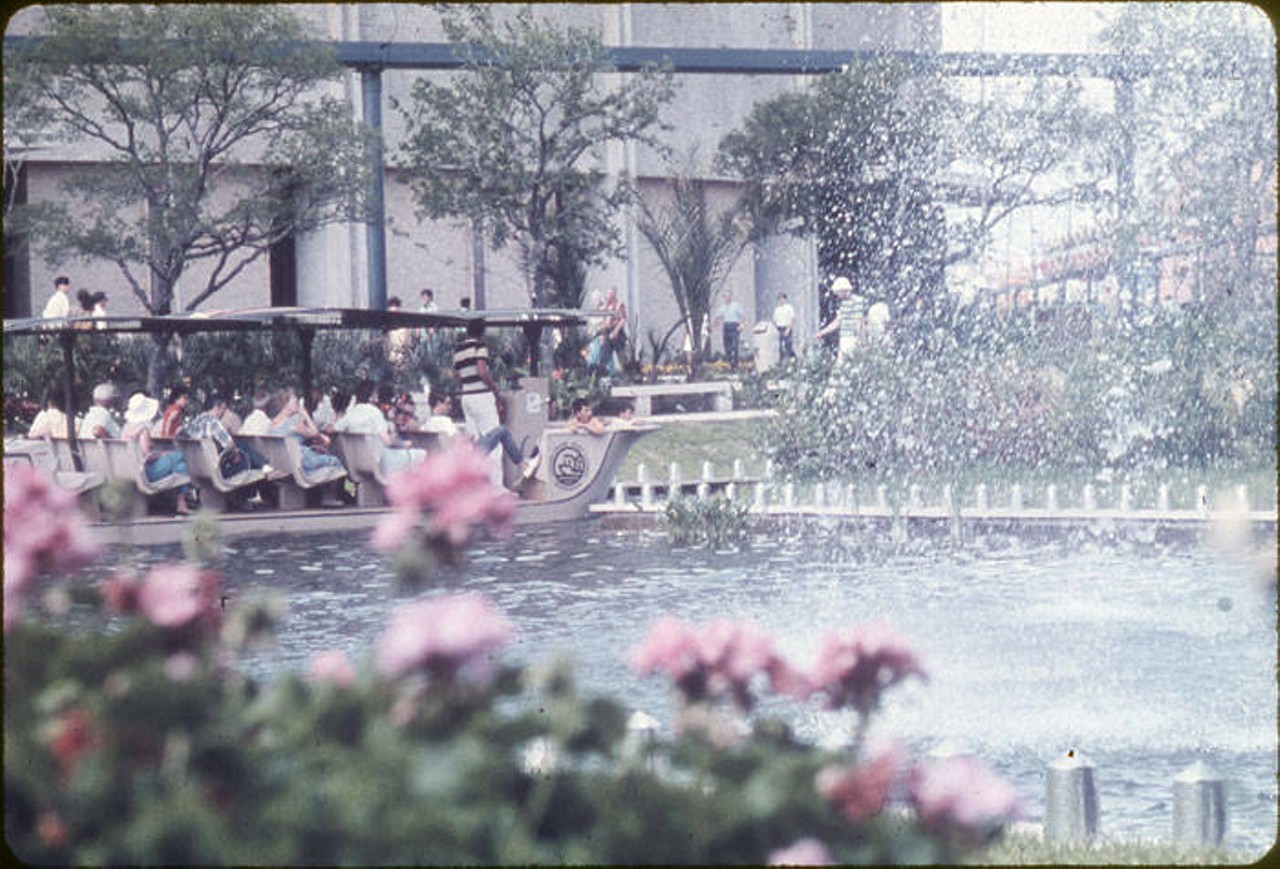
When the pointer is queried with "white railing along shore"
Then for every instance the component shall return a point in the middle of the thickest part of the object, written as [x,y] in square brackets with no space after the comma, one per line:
[770,496]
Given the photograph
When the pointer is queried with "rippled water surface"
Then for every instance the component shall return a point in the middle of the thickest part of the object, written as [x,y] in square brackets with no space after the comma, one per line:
[1143,657]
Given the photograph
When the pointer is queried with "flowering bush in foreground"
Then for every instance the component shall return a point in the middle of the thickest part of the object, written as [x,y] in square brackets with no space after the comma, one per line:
[132,737]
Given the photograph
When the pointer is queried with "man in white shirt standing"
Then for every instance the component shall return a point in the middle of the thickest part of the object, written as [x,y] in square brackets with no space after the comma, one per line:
[59,304]
[784,320]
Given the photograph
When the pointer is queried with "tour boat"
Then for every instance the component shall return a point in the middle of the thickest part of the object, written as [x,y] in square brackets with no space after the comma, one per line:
[575,469]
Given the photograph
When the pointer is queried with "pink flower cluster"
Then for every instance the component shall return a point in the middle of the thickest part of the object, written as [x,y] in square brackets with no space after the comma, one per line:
[453,487]
[714,661]
[862,791]
[956,797]
[171,596]
[959,794]
[855,666]
[331,666]
[42,531]
[720,659]
[449,638]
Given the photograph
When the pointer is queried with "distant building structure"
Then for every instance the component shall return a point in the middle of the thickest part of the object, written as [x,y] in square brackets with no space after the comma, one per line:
[328,267]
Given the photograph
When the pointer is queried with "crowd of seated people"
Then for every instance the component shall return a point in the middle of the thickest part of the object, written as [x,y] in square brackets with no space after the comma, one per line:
[376,409]
[368,408]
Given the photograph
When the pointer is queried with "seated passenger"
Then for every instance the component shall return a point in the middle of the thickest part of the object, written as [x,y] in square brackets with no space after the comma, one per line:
[404,413]
[174,409]
[140,414]
[258,422]
[364,417]
[294,421]
[50,422]
[209,425]
[98,421]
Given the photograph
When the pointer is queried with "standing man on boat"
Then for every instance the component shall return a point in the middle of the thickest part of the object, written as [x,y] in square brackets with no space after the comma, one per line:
[481,403]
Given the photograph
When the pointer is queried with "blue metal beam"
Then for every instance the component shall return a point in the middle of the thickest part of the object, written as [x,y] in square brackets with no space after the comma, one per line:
[757,61]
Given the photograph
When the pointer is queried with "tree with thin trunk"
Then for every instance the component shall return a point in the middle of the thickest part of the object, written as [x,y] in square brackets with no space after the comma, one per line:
[209,134]
[515,142]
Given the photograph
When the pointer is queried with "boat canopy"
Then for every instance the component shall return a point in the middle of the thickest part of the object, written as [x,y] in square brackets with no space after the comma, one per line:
[305,321]
[240,319]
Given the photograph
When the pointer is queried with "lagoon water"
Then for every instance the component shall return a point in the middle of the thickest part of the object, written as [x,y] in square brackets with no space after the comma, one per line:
[1144,656]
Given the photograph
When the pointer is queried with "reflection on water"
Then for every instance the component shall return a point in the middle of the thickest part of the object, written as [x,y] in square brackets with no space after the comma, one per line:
[1144,657]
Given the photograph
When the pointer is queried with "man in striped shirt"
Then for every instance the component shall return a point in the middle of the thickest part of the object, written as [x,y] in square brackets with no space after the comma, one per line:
[481,408]
[851,318]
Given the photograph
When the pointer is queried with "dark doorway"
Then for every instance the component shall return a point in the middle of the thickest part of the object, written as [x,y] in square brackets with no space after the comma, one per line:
[283,265]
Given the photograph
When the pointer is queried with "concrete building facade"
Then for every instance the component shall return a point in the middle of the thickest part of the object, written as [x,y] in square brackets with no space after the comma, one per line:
[329,268]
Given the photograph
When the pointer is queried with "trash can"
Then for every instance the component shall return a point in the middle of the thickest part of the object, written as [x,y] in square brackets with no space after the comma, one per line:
[765,337]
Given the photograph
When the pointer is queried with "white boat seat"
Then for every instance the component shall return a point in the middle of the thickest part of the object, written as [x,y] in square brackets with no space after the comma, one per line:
[204,466]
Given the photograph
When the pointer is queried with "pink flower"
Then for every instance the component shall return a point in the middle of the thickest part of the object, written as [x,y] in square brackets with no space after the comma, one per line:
[959,793]
[862,791]
[717,660]
[453,487]
[855,667]
[448,637]
[175,595]
[331,665]
[72,735]
[802,852]
[120,593]
[43,530]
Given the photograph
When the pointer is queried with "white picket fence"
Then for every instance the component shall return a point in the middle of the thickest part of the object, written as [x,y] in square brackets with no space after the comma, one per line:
[650,492]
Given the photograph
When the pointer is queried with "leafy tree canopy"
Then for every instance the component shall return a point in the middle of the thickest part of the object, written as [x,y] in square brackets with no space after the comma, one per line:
[1204,131]
[868,163]
[514,141]
[209,132]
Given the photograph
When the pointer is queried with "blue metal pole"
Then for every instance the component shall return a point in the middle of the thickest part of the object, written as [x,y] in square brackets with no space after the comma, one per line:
[375,225]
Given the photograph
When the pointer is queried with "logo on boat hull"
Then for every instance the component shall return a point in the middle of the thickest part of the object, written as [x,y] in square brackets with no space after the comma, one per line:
[568,465]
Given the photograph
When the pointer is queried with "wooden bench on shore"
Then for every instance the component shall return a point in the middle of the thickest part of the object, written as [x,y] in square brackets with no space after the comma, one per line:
[721,392]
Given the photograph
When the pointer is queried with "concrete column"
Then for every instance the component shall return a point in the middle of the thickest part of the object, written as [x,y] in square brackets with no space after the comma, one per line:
[1199,807]
[1071,800]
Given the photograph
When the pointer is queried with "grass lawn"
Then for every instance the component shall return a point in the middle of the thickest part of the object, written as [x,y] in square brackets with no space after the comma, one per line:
[691,444]
[1015,849]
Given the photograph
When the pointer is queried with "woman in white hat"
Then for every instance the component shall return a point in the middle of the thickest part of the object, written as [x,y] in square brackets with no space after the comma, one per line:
[139,415]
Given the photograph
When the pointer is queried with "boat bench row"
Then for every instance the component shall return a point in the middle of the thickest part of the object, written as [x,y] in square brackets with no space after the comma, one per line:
[106,459]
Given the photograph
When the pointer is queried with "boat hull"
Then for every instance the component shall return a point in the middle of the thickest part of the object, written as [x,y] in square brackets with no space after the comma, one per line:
[576,472]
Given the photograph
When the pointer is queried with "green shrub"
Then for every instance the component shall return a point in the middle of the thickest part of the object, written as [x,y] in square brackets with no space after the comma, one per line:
[715,521]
